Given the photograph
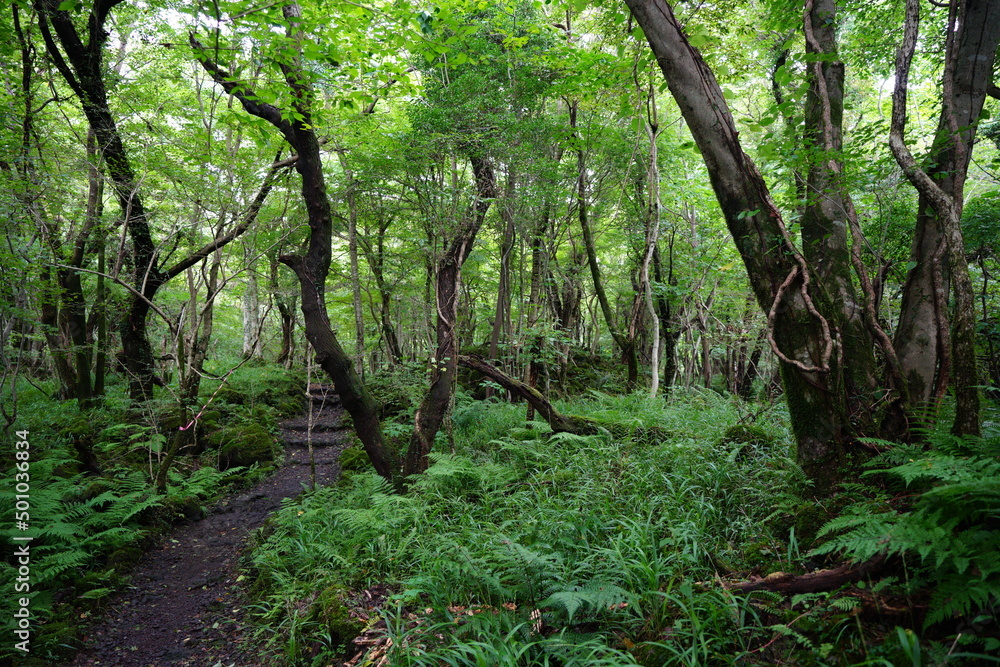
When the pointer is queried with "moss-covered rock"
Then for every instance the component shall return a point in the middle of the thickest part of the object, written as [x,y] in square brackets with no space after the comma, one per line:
[244,445]
[188,507]
[125,558]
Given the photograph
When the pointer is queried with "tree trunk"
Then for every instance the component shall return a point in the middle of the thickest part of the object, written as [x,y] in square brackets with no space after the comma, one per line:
[535,296]
[780,277]
[49,321]
[376,263]
[929,354]
[434,407]
[827,213]
[671,332]
[352,251]
[501,318]
[286,313]
[312,268]
[83,72]
[251,317]
[192,347]
[625,342]
[652,235]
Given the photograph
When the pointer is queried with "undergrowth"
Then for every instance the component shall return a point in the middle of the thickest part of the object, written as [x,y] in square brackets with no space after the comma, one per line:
[940,518]
[93,510]
[526,548]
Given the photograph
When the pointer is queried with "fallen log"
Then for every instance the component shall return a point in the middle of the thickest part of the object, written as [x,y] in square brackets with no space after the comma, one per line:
[812,582]
[559,422]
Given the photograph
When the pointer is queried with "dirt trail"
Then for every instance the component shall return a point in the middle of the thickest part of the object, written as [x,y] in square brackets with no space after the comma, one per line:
[185,606]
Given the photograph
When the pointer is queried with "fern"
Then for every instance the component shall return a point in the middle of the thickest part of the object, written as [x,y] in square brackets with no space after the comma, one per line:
[951,526]
[596,596]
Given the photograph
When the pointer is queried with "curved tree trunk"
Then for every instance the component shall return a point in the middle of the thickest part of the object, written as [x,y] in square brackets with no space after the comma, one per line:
[312,268]
[799,322]
[83,72]
[929,354]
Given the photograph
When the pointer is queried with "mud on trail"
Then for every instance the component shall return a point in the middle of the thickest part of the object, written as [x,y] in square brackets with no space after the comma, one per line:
[185,606]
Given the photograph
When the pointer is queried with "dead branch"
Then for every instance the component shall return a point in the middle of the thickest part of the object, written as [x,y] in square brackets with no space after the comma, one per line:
[812,582]
[559,422]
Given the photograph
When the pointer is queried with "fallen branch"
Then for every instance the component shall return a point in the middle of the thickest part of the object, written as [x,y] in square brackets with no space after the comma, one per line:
[820,580]
[559,422]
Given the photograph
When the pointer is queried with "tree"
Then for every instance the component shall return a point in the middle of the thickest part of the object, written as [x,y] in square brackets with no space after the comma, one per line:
[930,354]
[813,327]
[296,127]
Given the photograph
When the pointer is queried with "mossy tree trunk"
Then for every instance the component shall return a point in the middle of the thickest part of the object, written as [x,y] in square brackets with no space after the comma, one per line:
[805,322]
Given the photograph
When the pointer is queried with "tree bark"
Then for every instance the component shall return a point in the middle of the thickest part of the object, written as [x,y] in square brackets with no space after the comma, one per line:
[251,317]
[799,333]
[352,251]
[376,263]
[535,296]
[652,236]
[827,213]
[812,582]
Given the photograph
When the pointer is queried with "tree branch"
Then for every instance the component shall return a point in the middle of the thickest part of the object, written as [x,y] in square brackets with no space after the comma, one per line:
[820,580]
[560,423]
[220,241]
[241,92]
[133,290]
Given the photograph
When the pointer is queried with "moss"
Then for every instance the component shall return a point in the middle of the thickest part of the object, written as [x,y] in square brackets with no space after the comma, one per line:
[290,406]
[331,609]
[187,506]
[125,558]
[746,434]
[244,445]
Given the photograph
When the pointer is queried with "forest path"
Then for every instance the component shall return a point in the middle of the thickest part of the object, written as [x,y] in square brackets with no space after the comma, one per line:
[185,606]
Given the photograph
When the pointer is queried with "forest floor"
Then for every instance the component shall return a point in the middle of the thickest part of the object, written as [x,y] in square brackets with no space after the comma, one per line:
[187,602]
